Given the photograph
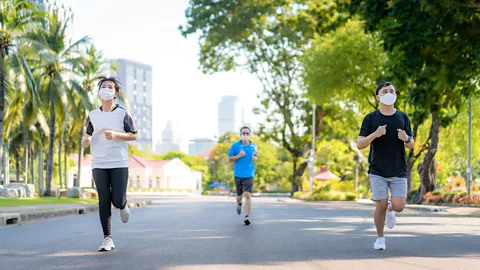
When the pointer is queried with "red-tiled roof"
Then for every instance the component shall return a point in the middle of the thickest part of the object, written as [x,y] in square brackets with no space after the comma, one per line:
[140,162]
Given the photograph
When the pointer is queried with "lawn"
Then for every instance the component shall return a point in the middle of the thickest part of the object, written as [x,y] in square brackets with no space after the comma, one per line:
[5,202]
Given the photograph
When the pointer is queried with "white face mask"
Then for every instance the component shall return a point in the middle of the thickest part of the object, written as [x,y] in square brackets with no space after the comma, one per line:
[106,93]
[388,99]
[245,138]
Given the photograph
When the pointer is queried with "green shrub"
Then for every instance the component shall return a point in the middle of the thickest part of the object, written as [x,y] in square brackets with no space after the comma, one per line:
[350,197]
[301,195]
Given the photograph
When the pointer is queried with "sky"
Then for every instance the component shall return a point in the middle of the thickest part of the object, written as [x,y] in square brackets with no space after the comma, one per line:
[147,31]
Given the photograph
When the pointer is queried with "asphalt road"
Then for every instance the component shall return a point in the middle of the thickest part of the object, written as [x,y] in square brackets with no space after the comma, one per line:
[206,233]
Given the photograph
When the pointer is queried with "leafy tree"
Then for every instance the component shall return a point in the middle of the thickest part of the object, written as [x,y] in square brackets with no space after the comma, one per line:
[15,17]
[432,49]
[54,60]
[266,38]
[344,65]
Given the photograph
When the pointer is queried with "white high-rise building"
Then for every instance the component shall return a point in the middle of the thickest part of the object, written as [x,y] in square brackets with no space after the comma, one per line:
[229,115]
[201,147]
[136,79]
[170,140]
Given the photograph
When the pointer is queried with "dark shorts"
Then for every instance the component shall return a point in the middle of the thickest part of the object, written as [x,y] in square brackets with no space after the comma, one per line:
[243,185]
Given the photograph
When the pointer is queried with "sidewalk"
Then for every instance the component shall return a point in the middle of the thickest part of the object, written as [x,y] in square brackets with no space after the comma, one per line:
[15,215]
[441,210]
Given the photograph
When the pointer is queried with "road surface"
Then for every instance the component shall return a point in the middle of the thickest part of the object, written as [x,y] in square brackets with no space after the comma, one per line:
[205,233]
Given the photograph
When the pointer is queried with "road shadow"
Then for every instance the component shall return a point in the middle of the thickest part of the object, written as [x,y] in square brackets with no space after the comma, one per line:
[206,233]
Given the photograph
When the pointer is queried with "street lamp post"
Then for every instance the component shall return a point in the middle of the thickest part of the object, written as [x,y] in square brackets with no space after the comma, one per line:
[311,159]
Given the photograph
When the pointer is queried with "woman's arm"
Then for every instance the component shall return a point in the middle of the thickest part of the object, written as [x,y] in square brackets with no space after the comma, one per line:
[110,135]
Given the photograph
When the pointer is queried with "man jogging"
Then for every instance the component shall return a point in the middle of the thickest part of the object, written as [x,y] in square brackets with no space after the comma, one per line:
[244,154]
[388,132]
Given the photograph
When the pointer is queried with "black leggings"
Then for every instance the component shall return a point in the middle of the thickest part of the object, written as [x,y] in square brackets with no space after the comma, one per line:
[112,188]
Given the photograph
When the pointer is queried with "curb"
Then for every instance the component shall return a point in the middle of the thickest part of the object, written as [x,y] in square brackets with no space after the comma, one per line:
[426,208]
[19,218]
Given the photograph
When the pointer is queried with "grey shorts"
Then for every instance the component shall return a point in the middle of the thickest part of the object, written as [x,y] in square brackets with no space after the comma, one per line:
[243,185]
[380,185]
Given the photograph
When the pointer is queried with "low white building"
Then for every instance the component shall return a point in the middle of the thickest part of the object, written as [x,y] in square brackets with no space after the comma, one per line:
[153,175]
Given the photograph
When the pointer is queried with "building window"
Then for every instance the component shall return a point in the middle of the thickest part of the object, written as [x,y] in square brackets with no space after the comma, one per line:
[135,73]
[145,99]
[144,88]
[135,86]
[144,75]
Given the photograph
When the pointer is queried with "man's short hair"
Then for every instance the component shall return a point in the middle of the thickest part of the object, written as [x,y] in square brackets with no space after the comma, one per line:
[382,85]
[246,128]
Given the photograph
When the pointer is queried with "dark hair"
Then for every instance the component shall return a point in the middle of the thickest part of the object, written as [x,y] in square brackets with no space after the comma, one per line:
[246,128]
[114,80]
[382,85]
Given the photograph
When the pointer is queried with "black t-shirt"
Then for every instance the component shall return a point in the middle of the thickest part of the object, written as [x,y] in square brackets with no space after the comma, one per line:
[387,156]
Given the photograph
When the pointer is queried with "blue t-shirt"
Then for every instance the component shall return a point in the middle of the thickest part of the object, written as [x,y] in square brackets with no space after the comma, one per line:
[244,166]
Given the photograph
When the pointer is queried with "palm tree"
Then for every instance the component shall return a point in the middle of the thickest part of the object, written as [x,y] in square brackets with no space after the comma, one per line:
[15,17]
[24,105]
[56,61]
[93,66]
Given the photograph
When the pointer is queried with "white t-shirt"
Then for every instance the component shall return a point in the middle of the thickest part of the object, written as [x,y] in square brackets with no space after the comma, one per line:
[109,154]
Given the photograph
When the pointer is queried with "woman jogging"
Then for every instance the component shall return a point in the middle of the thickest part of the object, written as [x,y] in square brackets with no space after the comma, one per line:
[108,130]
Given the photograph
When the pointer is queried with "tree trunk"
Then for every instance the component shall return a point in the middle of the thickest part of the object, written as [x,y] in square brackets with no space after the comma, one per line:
[60,171]
[17,165]
[3,77]
[410,165]
[32,166]
[40,171]
[295,186]
[427,169]
[6,164]
[25,155]
[65,164]
[49,176]
[80,152]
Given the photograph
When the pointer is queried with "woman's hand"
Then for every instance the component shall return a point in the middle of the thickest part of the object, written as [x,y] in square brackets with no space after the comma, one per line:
[85,142]
[110,134]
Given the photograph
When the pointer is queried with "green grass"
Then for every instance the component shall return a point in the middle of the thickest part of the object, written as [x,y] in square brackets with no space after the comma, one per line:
[5,202]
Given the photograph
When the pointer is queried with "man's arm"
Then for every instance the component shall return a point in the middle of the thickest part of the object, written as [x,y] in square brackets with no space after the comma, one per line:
[364,142]
[411,144]
[231,154]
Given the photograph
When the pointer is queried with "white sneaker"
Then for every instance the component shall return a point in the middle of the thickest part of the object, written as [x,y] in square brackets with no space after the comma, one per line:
[247,220]
[239,209]
[107,244]
[380,244]
[125,214]
[391,219]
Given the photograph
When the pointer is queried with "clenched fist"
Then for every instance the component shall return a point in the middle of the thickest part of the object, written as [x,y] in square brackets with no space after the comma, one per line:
[402,135]
[241,154]
[381,130]
[85,142]
[110,134]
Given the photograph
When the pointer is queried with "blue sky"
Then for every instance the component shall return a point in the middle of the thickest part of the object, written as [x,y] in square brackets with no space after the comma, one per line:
[140,31]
